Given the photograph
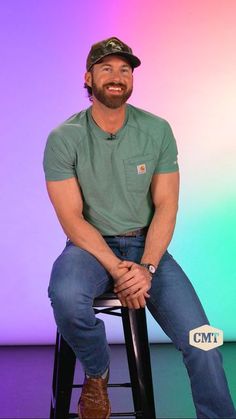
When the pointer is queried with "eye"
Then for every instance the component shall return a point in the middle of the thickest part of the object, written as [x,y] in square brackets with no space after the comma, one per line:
[125,70]
[107,69]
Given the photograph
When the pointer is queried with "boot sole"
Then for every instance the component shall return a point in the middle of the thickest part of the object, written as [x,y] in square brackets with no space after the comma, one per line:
[81,417]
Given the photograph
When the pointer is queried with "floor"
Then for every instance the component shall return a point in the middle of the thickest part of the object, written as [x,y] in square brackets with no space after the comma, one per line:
[26,372]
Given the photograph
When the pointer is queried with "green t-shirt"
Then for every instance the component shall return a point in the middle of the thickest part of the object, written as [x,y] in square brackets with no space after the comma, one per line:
[114,174]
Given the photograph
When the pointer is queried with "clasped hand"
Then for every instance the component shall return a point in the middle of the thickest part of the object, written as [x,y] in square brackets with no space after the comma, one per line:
[132,282]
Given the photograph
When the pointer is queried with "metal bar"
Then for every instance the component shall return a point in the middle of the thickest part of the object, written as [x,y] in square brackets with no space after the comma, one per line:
[65,375]
[115,414]
[126,385]
[138,354]
[109,311]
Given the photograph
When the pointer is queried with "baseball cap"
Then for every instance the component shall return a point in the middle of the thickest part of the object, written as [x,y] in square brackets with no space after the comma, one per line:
[111,46]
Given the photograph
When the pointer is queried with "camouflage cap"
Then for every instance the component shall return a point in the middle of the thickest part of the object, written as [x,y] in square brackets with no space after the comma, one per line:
[111,46]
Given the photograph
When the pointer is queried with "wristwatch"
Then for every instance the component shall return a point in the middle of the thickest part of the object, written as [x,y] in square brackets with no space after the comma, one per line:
[151,268]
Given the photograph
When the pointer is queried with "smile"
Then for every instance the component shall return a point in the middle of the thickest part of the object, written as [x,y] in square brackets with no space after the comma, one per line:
[114,89]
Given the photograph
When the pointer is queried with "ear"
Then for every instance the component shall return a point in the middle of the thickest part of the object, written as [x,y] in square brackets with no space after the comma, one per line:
[88,78]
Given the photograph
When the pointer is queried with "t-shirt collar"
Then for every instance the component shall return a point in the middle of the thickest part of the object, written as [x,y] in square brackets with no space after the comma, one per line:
[104,134]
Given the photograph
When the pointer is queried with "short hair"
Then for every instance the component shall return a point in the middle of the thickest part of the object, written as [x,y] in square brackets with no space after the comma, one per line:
[89,91]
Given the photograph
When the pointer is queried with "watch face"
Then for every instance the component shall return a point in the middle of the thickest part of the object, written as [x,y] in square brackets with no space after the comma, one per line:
[152,269]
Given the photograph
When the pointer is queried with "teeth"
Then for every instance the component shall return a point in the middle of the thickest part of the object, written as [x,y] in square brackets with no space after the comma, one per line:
[114,88]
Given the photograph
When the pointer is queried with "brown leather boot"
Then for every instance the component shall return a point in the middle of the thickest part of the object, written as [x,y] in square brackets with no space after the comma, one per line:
[94,402]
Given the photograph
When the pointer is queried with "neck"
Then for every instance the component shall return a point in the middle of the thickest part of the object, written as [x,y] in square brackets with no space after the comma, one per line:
[109,120]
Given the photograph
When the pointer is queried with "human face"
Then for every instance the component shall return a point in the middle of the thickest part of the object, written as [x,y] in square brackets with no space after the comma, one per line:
[111,81]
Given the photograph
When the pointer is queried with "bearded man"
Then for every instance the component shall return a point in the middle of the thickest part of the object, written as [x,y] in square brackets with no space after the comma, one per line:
[113,178]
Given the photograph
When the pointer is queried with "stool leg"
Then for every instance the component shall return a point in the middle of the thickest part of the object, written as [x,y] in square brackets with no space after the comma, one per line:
[63,376]
[138,355]
[54,377]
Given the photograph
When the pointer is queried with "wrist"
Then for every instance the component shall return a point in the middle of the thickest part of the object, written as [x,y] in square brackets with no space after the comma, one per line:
[113,265]
[150,267]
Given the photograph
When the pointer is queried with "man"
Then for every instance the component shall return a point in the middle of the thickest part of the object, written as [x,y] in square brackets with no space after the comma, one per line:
[112,176]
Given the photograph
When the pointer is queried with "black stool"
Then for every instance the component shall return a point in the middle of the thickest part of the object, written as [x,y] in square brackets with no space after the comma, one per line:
[138,355]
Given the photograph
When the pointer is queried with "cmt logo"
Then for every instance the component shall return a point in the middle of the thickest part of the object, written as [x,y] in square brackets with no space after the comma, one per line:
[206,337]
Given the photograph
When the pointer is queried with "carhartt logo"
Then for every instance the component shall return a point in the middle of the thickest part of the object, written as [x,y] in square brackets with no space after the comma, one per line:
[141,169]
[206,337]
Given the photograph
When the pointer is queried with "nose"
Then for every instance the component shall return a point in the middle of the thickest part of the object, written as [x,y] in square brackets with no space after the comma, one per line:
[116,75]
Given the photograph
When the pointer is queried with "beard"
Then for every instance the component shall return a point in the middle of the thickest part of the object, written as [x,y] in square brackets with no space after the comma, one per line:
[112,102]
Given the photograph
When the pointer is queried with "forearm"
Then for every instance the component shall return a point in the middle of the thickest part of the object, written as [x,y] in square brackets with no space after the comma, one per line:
[87,237]
[159,234]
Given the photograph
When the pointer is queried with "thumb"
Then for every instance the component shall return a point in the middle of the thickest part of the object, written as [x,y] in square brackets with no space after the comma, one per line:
[126,264]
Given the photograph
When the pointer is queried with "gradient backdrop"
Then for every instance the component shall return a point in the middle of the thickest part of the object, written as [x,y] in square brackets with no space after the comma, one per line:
[188,76]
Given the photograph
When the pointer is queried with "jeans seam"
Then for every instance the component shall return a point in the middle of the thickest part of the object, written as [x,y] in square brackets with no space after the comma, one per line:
[102,281]
[166,319]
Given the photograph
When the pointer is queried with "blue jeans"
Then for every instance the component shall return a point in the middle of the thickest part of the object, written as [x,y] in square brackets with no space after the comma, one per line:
[77,278]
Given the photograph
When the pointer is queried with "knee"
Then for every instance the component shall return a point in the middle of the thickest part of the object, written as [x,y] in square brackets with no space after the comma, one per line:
[70,307]
[62,298]
[67,290]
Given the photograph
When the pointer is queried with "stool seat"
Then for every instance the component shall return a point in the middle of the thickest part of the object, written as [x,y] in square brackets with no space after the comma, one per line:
[109,299]
[138,356]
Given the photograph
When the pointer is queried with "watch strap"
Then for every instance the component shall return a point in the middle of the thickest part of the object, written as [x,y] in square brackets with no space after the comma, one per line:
[150,267]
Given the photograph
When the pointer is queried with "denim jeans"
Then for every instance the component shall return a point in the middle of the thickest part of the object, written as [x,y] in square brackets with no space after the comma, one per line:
[77,278]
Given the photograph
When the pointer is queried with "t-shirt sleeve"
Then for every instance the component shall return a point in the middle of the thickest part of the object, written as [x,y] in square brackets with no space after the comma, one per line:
[168,158]
[58,161]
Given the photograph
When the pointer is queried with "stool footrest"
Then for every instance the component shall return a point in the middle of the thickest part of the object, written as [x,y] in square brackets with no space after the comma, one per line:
[110,310]
[113,415]
[108,385]
[120,414]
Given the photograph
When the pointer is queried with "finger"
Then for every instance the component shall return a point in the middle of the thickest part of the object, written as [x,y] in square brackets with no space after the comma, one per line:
[129,286]
[128,275]
[132,286]
[122,300]
[120,273]
[130,304]
[137,276]
[141,271]
[136,304]
[136,266]
[126,263]
[121,283]
[135,291]
[129,289]
[142,301]
[139,302]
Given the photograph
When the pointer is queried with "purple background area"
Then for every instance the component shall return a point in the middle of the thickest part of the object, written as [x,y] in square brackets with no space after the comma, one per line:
[44,46]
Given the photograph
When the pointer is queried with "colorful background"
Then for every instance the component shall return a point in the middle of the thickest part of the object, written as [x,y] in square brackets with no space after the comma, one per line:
[187,76]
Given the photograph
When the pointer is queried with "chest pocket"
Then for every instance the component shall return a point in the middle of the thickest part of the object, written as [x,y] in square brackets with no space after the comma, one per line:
[138,172]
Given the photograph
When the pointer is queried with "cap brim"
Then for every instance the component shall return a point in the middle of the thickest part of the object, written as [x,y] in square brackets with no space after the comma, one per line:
[132,59]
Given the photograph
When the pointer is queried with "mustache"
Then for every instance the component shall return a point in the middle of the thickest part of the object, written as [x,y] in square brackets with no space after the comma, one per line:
[114,84]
